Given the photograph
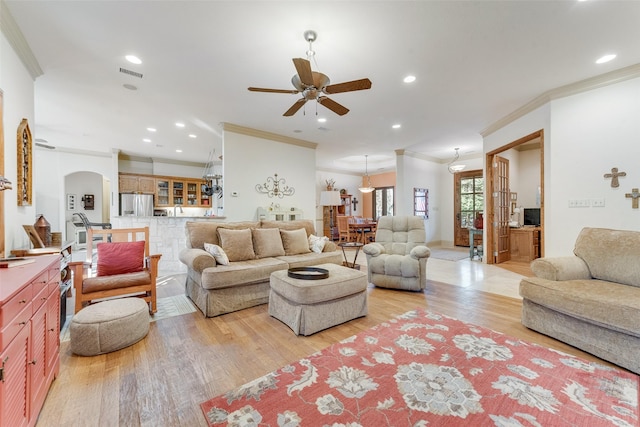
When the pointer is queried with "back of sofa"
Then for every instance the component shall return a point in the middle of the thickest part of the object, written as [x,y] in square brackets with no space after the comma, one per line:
[200,232]
[611,255]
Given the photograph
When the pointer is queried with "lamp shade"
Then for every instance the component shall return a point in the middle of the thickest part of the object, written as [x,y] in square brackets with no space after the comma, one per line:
[330,198]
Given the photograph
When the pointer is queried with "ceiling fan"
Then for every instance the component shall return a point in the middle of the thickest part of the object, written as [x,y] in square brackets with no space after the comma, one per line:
[314,85]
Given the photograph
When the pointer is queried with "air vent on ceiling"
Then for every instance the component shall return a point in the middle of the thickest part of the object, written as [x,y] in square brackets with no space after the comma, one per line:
[131,73]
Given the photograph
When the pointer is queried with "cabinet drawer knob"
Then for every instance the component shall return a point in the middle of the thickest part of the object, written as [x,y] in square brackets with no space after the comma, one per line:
[22,301]
[33,362]
[22,323]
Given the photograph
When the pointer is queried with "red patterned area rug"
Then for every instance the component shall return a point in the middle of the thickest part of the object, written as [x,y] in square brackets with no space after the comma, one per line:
[424,369]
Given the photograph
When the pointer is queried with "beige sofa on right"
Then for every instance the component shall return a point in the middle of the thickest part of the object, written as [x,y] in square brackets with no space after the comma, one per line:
[590,300]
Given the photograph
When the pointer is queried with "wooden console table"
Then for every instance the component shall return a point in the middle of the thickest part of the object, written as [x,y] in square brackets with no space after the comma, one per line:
[524,243]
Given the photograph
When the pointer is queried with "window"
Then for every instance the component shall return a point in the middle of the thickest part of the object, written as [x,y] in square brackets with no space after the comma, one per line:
[421,202]
[471,199]
[382,201]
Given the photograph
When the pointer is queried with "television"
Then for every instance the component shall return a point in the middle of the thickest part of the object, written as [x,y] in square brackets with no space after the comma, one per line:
[531,217]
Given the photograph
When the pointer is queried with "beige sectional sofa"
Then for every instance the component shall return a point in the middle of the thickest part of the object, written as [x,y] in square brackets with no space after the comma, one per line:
[255,250]
[590,300]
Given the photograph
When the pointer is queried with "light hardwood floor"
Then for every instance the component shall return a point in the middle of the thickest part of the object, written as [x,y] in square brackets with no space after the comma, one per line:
[188,359]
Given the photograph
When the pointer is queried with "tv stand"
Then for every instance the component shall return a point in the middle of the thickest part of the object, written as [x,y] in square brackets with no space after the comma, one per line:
[525,243]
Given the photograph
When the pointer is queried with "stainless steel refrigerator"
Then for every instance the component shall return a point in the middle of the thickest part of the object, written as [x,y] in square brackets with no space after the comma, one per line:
[136,204]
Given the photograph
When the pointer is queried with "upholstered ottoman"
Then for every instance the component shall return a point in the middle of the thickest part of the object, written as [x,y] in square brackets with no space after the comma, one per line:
[309,306]
[109,326]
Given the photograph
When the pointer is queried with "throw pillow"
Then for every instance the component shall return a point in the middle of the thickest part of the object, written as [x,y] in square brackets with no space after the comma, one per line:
[267,242]
[217,252]
[236,243]
[120,258]
[316,243]
[295,241]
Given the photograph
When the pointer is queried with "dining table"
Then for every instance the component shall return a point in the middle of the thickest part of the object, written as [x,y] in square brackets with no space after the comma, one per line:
[361,229]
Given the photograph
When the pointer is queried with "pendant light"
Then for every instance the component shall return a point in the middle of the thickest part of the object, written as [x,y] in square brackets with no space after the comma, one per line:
[368,188]
[455,168]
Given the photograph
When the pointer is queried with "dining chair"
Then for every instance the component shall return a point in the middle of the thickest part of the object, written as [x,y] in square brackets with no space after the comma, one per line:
[344,231]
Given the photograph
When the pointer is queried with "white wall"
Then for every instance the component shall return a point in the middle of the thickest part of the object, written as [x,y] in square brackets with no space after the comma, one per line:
[56,168]
[592,132]
[528,175]
[585,135]
[17,87]
[250,160]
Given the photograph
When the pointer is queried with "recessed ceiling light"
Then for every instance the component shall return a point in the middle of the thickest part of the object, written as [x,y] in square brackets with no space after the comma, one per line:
[191,135]
[133,59]
[322,120]
[606,58]
[146,140]
[409,79]
[151,129]
[397,126]
[129,86]
[179,124]
[178,151]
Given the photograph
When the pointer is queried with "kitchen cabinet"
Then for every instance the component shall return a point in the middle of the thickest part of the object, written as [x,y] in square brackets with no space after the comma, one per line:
[130,183]
[29,337]
[168,190]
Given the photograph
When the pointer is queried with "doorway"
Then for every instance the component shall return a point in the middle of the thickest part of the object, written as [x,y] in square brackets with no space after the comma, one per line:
[468,203]
[497,246]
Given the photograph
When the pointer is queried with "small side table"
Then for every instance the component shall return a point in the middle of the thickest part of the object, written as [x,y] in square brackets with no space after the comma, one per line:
[472,233]
[356,245]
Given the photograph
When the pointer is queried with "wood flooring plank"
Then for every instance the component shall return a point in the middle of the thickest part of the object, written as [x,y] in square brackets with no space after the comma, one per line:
[185,360]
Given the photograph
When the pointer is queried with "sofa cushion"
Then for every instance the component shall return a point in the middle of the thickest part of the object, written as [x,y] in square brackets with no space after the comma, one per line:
[241,273]
[267,242]
[611,255]
[105,283]
[120,258]
[237,243]
[611,305]
[218,253]
[317,243]
[200,232]
[295,241]
[307,224]
[312,258]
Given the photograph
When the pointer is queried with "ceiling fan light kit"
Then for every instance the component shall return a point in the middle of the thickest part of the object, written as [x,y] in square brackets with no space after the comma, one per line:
[313,85]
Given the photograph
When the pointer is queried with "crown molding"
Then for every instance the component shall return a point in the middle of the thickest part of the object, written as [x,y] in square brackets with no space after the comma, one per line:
[230,127]
[592,83]
[17,41]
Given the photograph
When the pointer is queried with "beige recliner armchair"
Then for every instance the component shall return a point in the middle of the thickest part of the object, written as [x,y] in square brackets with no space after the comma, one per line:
[398,258]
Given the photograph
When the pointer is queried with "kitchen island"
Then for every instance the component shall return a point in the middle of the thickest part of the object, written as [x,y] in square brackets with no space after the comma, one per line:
[166,236]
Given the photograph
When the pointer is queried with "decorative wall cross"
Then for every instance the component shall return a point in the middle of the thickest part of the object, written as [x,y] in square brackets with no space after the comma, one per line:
[634,195]
[614,177]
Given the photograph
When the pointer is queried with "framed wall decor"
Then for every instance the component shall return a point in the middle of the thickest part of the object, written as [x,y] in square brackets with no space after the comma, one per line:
[25,163]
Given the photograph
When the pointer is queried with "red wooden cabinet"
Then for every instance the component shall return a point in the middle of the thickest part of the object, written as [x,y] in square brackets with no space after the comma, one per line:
[29,338]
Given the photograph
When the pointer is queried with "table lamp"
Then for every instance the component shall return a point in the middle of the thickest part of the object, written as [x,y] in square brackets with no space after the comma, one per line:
[331,199]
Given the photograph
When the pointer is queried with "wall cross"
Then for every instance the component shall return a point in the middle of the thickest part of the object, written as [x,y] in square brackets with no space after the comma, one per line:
[634,195]
[614,177]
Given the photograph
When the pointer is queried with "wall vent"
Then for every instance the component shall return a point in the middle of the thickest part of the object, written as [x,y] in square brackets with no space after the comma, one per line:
[131,73]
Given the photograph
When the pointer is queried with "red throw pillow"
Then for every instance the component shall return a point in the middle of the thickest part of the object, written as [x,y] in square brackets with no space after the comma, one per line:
[120,258]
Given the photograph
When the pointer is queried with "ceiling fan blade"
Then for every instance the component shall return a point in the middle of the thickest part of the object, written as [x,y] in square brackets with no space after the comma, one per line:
[262,89]
[348,86]
[303,67]
[333,105]
[295,107]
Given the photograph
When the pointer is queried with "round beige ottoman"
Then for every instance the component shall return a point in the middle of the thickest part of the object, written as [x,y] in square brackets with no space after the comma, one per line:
[109,326]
